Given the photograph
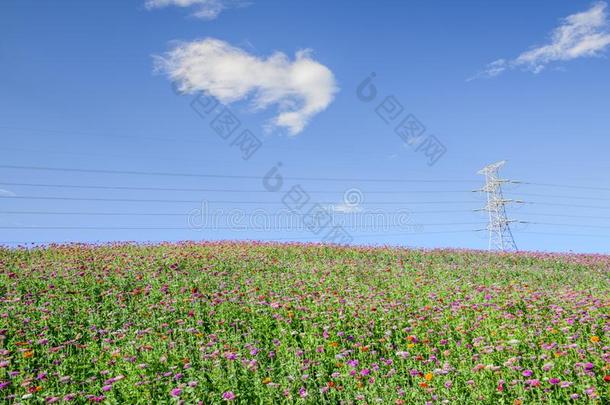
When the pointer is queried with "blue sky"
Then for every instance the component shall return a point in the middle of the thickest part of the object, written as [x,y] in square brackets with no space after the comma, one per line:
[79,90]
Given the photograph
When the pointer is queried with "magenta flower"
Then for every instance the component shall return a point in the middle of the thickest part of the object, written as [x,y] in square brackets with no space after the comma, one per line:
[229,396]
[554,381]
[527,373]
[303,392]
[176,392]
[107,388]
[533,383]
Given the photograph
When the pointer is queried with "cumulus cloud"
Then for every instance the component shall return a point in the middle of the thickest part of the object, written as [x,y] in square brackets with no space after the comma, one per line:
[204,9]
[580,35]
[299,88]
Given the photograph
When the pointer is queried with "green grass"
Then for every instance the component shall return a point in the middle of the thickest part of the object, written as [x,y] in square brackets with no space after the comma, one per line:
[301,323]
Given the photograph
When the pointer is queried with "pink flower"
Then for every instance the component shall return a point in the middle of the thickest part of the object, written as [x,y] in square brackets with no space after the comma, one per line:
[533,383]
[302,392]
[228,396]
[527,373]
[176,392]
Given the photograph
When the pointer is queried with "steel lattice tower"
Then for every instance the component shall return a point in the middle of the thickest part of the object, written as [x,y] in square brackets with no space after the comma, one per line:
[500,235]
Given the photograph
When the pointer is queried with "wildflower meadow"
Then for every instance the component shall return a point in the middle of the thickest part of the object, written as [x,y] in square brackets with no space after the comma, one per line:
[226,322]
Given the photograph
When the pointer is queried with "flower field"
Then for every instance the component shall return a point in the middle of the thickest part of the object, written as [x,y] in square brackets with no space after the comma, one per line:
[228,322]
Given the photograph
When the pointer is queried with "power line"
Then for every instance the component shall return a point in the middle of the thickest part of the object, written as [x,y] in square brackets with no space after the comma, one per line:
[212,201]
[566,234]
[107,213]
[568,186]
[560,196]
[222,176]
[572,225]
[213,228]
[561,215]
[98,187]
[568,205]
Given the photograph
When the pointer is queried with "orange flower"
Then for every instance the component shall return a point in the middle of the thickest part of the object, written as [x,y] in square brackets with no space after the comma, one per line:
[411,345]
[423,385]
[330,384]
[594,339]
[517,402]
[364,348]
[333,344]
[429,376]
[28,354]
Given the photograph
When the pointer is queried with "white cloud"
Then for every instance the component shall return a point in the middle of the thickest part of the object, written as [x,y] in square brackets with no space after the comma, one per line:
[7,193]
[580,35]
[300,89]
[345,208]
[204,9]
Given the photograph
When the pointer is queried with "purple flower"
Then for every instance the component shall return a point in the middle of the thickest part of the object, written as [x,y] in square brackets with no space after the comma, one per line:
[554,381]
[302,392]
[176,392]
[527,373]
[365,371]
[107,388]
[228,396]
[230,356]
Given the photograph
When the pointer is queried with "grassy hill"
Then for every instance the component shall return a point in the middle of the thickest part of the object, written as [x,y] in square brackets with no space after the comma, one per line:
[262,323]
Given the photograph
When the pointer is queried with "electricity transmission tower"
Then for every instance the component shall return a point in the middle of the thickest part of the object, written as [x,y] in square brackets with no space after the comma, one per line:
[500,235]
